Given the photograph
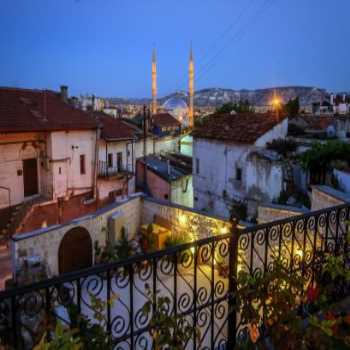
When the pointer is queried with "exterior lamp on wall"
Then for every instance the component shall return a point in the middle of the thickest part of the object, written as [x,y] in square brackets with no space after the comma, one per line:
[223,230]
[182,219]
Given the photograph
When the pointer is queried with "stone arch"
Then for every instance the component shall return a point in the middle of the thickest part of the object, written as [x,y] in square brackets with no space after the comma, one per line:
[75,250]
[28,150]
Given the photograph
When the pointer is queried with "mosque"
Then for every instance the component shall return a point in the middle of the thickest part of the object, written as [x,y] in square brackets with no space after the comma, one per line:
[176,105]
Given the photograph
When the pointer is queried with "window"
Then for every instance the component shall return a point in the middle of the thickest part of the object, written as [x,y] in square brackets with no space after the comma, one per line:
[166,196]
[239,174]
[110,160]
[120,161]
[197,166]
[82,164]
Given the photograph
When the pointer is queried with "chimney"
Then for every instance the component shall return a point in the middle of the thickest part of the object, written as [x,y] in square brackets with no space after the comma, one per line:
[93,99]
[332,99]
[64,93]
[44,103]
[344,98]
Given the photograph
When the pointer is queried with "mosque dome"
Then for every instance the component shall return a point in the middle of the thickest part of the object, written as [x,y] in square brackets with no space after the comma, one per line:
[178,108]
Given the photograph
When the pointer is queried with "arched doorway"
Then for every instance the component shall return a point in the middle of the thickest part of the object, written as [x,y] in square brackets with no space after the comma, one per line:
[75,250]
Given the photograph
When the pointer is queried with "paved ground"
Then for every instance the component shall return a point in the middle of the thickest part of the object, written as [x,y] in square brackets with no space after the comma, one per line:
[120,308]
[5,266]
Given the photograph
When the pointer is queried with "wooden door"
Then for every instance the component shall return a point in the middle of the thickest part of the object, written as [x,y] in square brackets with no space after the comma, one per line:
[30,177]
[75,250]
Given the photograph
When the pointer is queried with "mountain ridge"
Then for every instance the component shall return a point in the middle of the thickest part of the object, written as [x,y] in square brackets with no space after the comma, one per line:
[259,97]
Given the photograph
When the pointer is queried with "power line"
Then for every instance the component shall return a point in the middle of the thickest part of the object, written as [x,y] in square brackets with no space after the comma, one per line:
[233,24]
[236,37]
[220,37]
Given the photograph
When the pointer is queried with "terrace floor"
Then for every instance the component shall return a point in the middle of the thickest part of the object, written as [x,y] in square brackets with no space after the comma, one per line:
[120,308]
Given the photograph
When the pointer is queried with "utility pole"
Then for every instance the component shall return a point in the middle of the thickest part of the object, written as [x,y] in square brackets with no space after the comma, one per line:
[145,131]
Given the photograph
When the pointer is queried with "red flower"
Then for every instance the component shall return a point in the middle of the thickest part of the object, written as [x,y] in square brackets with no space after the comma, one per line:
[331,317]
[313,292]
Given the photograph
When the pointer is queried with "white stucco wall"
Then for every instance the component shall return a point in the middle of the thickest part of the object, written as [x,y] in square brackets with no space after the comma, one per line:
[217,166]
[186,145]
[139,147]
[66,148]
[216,185]
[166,144]
[14,148]
[157,145]
[182,191]
[343,179]
[264,180]
[125,147]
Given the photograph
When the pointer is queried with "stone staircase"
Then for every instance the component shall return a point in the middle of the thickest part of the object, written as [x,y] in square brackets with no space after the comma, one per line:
[15,218]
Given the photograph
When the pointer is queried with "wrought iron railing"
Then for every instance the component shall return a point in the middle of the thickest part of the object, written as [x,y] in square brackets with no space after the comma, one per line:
[199,278]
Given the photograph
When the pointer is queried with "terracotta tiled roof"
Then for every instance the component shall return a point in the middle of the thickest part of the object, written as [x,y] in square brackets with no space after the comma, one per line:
[39,110]
[163,120]
[115,129]
[237,128]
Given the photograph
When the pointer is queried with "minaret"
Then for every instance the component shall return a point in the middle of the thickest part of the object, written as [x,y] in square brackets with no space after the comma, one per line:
[191,90]
[154,82]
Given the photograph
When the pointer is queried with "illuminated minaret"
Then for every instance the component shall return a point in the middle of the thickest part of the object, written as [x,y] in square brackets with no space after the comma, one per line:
[154,82]
[191,90]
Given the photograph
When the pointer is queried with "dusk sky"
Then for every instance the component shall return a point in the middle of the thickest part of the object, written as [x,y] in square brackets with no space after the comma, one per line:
[104,46]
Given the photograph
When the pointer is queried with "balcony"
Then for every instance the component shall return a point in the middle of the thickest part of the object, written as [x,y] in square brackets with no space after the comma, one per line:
[198,281]
[114,172]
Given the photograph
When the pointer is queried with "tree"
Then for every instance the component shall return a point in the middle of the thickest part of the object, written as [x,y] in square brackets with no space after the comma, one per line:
[284,147]
[292,107]
[240,107]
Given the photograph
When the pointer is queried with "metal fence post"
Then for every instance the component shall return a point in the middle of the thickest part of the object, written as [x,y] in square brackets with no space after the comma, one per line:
[233,261]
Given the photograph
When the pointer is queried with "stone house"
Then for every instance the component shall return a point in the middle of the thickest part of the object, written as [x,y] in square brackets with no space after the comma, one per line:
[168,178]
[163,134]
[122,143]
[231,164]
[47,153]
[116,158]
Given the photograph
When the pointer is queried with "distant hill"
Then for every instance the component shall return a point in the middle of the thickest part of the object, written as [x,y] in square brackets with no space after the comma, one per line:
[259,97]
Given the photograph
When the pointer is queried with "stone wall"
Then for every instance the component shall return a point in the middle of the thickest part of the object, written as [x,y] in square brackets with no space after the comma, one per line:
[325,197]
[135,211]
[182,219]
[271,212]
[45,242]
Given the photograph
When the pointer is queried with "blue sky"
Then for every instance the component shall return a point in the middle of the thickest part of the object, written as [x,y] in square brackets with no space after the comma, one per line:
[104,46]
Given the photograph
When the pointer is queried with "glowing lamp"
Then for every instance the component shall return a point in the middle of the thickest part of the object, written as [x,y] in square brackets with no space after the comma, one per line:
[224,230]
[276,102]
[182,219]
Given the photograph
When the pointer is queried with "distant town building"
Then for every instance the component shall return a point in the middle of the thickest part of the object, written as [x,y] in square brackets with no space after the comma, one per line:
[91,103]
